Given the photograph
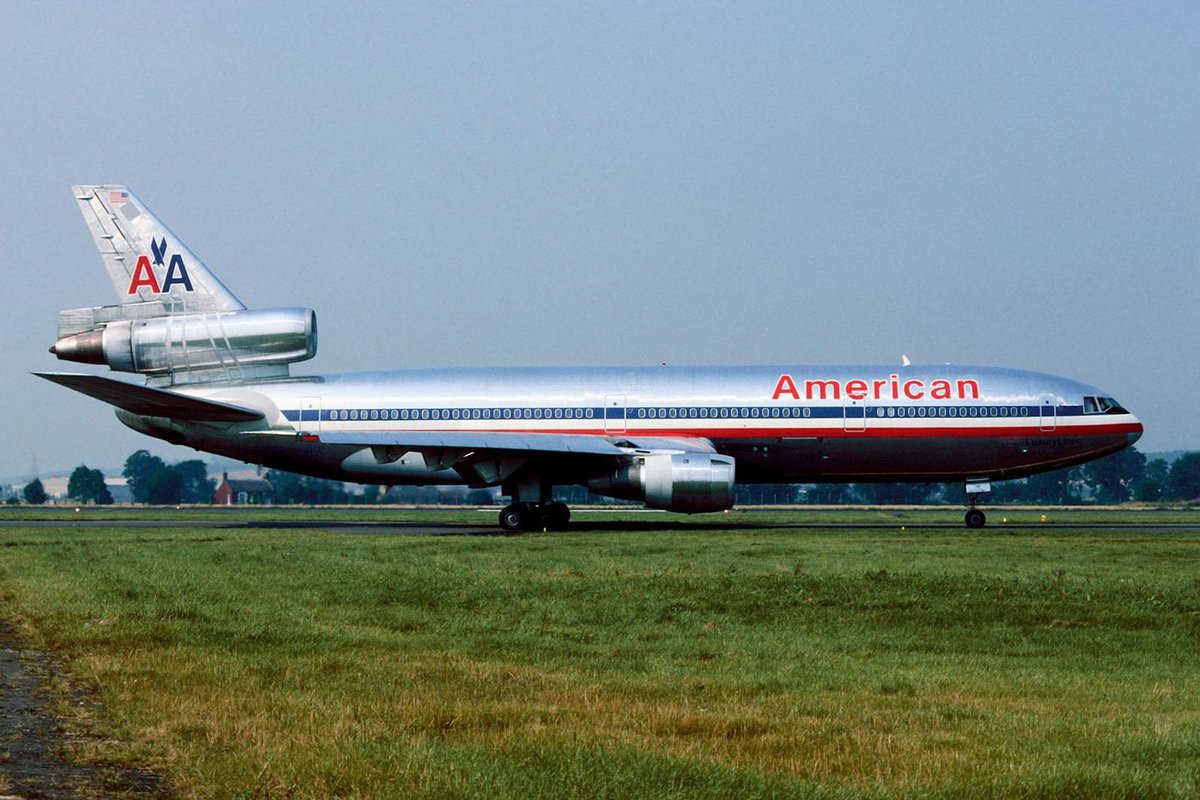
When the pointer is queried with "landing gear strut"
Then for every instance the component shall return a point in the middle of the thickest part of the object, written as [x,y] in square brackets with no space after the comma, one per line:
[975,518]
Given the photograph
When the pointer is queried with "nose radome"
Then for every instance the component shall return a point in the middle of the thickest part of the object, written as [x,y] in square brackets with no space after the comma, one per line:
[1134,435]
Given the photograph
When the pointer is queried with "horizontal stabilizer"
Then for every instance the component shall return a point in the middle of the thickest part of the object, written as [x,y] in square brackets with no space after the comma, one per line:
[151,402]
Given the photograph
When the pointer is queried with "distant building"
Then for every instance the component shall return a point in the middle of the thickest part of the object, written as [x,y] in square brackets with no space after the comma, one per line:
[243,492]
[119,489]
[55,486]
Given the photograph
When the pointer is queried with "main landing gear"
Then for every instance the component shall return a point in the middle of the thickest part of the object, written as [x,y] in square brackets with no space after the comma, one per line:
[975,518]
[535,516]
[523,514]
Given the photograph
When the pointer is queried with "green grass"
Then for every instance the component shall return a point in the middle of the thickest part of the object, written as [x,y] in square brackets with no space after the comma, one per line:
[676,663]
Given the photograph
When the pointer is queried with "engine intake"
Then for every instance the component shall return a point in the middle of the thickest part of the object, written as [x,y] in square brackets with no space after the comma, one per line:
[184,342]
[690,483]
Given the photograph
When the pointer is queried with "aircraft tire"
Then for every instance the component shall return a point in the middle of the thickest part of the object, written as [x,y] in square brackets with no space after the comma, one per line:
[975,518]
[559,515]
[513,518]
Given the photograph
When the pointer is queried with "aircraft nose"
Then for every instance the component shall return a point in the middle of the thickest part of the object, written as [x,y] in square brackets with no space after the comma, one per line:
[1134,434]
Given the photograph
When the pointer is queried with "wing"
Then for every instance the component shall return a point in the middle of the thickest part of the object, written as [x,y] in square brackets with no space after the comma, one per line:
[152,402]
[485,457]
[558,443]
[433,440]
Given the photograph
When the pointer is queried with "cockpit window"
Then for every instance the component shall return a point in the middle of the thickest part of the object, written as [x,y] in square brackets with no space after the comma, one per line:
[1102,405]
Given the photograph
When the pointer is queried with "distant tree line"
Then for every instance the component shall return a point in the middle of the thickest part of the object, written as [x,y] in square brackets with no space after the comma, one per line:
[1118,478]
[155,482]
[294,489]
[35,493]
[87,486]
[1123,476]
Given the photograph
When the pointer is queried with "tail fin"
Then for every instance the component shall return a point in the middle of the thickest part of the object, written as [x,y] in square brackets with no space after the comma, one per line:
[145,261]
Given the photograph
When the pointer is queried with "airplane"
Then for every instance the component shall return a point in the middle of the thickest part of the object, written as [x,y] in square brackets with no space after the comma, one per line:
[678,438]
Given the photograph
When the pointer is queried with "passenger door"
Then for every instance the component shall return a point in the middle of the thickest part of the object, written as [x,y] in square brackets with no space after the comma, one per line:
[614,413]
[1047,412]
[310,414]
[854,415]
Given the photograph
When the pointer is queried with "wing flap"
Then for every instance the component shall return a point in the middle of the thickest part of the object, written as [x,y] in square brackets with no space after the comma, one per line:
[151,402]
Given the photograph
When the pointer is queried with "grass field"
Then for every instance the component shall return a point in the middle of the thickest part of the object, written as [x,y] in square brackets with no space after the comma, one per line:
[1020,661]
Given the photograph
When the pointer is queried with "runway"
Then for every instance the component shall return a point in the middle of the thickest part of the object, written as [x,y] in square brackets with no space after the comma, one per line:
[585,525]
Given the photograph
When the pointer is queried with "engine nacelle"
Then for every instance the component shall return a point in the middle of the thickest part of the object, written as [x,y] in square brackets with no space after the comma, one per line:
[183,342]
[688,482]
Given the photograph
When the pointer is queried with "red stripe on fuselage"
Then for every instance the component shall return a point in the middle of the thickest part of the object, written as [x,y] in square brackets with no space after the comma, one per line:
[872,431]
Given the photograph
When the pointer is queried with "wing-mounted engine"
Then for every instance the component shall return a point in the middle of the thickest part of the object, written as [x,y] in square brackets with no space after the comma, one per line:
[188,347]
[690,482]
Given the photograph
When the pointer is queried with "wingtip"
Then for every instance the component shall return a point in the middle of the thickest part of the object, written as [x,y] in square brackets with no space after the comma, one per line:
[58,377]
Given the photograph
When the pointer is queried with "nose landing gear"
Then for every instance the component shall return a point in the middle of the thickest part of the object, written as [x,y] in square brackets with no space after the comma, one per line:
[975,518]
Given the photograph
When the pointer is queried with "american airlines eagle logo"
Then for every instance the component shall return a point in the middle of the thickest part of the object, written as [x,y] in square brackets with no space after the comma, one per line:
[144,275]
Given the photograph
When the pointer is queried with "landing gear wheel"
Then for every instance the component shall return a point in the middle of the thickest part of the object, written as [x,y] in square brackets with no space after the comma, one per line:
[975,518]
[559,515]
[513,518]
[526,516]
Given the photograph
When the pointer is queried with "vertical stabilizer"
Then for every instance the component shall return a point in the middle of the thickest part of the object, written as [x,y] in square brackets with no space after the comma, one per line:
[145,261]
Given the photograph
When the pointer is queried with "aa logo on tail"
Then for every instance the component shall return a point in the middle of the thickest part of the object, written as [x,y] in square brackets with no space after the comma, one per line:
[144,276]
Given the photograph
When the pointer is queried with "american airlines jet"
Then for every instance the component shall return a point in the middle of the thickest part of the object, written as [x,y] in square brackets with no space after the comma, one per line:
[676,438]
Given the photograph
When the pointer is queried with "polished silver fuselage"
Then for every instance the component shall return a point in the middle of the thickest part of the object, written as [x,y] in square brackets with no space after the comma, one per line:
[676,438]
[788,423]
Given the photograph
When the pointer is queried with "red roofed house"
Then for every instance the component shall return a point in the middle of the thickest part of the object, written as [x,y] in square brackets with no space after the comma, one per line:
[243,491]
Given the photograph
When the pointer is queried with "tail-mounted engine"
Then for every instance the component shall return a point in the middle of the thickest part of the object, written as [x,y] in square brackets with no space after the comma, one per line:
[223,345]
[687,482]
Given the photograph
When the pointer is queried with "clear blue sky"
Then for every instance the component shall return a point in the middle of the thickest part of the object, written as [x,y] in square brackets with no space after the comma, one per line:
[1014,184]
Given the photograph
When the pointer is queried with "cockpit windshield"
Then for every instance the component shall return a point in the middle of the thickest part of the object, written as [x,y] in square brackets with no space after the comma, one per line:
[1102,405]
